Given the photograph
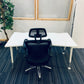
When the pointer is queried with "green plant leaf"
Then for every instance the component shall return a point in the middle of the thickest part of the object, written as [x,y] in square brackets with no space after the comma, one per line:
[2,28]
[0,31]
[6,14]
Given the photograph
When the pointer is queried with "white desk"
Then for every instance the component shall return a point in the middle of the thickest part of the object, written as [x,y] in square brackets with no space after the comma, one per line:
[58,39]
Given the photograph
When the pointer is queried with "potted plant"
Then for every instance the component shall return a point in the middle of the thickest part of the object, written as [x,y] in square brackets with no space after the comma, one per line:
[6,16]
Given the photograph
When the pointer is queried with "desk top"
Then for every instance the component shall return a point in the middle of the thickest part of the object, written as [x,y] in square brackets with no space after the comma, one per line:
[58,39]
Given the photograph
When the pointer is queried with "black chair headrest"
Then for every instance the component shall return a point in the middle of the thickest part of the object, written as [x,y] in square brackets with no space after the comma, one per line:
[37,32]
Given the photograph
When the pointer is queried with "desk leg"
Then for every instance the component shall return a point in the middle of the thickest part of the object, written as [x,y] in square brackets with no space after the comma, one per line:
[16,48]
[11,51]
[70,58]
[63,52]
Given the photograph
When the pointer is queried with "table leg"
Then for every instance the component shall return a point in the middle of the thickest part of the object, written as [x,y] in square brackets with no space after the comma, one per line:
[70,58]
[16,48]
[11,51]
[63,52]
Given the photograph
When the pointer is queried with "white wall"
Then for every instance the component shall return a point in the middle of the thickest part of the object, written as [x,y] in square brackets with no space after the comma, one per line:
[78,32]
[25,25]
[51,26]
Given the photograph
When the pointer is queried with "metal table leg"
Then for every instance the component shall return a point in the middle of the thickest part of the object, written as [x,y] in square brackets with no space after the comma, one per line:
[70,58]
[11,51]
[16,48]
[63,52]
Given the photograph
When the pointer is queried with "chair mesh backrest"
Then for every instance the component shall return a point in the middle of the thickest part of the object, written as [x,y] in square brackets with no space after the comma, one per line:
[37,32]
[38,50]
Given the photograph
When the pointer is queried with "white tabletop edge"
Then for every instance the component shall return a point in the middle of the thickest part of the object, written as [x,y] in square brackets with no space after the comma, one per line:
[74,46]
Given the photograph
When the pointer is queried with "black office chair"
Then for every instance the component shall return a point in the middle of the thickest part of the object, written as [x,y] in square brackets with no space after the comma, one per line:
[38,50]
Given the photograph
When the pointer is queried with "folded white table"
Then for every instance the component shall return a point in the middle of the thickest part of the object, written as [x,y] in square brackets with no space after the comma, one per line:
[58,39]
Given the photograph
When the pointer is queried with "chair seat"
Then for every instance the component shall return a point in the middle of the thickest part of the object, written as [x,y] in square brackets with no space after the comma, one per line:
[38,61]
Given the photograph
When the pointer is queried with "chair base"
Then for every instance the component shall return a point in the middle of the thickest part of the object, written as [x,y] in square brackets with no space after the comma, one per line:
[38,69]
